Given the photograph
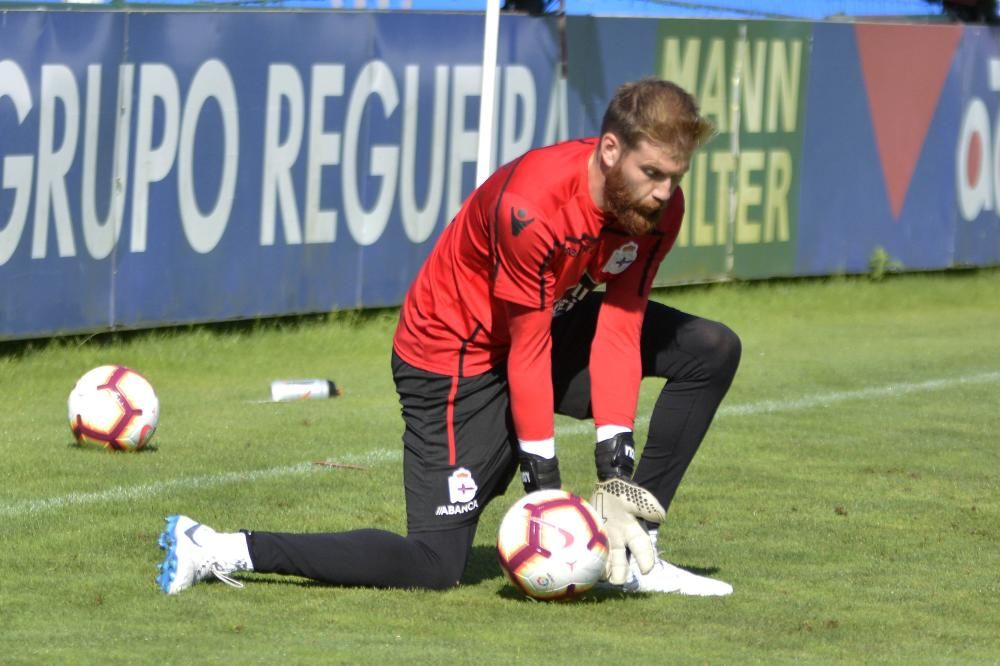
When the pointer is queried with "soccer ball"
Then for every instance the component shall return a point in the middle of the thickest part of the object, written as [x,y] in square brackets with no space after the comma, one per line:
[114,407]
[551,545]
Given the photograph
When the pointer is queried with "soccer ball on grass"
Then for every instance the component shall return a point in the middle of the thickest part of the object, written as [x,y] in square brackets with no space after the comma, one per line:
[114,407]
[551,545]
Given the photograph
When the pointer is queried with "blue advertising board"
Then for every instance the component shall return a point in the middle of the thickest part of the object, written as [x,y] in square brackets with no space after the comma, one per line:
[173,167]
[176,167]
[879,165]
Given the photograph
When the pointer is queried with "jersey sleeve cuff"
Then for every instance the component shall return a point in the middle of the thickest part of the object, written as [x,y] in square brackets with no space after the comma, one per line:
[543,448]
[608,431]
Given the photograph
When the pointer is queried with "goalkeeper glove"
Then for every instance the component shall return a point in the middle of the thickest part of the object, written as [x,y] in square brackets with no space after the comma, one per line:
[538,473]
[615,457]
[620,504]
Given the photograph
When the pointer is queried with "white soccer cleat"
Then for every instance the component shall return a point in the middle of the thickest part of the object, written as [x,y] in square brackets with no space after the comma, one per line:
[665,577]
[196,552]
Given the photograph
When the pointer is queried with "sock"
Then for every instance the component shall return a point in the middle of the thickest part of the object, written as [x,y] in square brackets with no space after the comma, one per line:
[232,550]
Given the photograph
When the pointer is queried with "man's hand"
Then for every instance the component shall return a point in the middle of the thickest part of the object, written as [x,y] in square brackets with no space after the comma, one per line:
[538,473]
[620,504]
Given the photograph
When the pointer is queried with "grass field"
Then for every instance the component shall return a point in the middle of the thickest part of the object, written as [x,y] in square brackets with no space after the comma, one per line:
[848,490]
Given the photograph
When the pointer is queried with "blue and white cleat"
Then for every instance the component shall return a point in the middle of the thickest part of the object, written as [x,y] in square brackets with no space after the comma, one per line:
[665,577]
[196,552]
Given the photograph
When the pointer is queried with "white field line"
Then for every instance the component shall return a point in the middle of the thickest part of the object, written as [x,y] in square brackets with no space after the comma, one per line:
[119,493]
[824,399]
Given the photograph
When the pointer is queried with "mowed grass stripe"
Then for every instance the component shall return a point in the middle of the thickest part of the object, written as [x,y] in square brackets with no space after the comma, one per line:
[827,399]
[119,493]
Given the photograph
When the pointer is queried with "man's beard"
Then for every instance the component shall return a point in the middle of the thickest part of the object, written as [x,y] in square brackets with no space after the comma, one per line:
[635,218]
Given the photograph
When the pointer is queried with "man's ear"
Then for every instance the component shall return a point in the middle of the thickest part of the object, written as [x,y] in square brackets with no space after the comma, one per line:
[610,149]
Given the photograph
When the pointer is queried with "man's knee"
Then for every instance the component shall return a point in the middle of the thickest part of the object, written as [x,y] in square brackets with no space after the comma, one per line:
[445,575]
[704,351]
[445,557]
[723,350]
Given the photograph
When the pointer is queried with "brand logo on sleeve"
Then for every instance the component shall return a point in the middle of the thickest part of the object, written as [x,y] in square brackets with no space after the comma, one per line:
[519,220]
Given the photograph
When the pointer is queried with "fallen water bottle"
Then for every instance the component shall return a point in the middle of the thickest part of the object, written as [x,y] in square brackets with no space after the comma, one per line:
[285,390]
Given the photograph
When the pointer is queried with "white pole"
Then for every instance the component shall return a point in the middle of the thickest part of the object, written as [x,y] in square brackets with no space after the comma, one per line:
[484,153]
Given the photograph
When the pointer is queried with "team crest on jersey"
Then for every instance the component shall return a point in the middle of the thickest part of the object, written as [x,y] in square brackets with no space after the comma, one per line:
[622,258]
[461,486]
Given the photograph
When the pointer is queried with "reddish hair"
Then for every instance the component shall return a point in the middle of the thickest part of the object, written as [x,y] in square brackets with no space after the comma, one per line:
[659,111]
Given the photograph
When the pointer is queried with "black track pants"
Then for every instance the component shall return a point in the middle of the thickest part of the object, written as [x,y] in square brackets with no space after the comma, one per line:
[697,356]
[371,558]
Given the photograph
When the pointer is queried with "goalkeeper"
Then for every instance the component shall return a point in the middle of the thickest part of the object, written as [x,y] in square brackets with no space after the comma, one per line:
[503,326]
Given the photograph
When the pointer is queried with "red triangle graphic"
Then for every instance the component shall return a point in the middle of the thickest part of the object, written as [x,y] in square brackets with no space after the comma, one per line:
[904,67]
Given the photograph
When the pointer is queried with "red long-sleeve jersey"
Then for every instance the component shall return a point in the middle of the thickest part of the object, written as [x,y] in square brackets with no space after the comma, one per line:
[526,246]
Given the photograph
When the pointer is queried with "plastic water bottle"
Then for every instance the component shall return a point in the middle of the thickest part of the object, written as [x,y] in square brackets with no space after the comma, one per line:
[284,390]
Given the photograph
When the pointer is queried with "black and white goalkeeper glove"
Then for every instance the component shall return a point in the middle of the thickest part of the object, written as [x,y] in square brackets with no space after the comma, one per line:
[538,473]
[620,504]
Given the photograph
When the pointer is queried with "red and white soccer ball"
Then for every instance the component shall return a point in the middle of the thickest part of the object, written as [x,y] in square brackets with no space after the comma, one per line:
[114,407]
[551,545]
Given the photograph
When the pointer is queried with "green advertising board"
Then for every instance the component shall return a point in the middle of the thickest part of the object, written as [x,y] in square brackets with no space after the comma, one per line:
[742,187]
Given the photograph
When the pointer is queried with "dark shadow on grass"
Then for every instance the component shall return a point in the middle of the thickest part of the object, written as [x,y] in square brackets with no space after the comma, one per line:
[507,592]
[596,595]
[149,448]
[482,565]
[699,571]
